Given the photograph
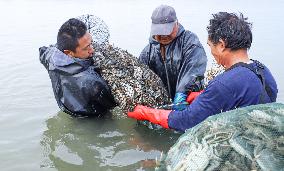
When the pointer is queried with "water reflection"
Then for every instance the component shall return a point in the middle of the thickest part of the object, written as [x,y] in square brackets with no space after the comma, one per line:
[102,144]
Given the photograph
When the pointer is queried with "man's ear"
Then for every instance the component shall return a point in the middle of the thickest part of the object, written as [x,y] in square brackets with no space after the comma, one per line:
[69,52]
[222,45]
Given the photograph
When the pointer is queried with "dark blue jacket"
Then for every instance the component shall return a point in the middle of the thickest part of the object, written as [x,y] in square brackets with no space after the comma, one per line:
[185,60]
[78,89]
[236,87]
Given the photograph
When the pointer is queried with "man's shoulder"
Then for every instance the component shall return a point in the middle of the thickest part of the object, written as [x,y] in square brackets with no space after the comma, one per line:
[189,38]
[237,77]
[231,81]
[189,34]
[143,55]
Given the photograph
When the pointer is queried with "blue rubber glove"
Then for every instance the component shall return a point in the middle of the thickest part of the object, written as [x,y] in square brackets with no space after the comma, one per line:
[180,101]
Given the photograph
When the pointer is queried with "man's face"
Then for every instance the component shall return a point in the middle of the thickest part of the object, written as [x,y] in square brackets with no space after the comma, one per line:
[215,51]
[84,49]
[167,39]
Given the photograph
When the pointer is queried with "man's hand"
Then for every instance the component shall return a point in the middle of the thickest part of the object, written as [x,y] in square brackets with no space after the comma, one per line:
[192,95]
[156,116]
[179,101]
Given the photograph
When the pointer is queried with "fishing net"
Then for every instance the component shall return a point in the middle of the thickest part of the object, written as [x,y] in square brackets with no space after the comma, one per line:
[131,82]
[250,138]
[98,29]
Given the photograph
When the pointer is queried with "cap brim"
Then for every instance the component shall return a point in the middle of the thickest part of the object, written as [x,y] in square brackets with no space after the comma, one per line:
[162,29]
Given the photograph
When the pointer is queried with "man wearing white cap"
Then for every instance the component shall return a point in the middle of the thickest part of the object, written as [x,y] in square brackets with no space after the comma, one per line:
[175,55]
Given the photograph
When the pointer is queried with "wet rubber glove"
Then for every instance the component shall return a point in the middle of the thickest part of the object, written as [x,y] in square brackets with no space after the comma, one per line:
[180,101]
[156,116]
[192,96]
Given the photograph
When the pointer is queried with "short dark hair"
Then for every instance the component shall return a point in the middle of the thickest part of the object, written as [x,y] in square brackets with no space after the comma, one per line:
[69,33]
[234,30]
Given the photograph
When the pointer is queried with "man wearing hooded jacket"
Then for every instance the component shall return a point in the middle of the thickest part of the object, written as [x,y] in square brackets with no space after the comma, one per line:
[175,55]
[78,88]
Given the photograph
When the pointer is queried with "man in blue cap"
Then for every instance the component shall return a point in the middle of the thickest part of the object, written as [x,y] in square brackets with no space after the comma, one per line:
[175,55]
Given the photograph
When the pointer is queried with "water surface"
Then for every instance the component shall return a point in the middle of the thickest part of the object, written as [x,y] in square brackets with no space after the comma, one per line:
[35,135]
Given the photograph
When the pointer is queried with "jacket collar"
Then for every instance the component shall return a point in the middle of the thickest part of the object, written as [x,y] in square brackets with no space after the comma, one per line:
[62,62]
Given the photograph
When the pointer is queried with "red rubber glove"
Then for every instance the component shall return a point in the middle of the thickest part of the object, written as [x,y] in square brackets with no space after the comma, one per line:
[156,116]
[192,96]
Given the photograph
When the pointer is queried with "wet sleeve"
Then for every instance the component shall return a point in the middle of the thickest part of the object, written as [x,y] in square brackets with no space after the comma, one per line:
[144,55]
[193,65]
[215,99]
[43,56]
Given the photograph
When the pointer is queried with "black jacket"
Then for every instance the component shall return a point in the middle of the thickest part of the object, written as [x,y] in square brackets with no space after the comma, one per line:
[78,89]
[185,60]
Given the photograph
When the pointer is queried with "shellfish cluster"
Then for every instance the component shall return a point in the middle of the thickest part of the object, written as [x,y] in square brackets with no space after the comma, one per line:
[130,81]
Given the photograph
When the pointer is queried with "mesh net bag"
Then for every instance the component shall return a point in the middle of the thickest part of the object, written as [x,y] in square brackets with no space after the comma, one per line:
[98,29]
[131,82]
[250,138]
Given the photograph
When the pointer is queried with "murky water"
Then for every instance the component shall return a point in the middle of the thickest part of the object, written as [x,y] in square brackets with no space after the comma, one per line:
[35,135]
[101,144]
